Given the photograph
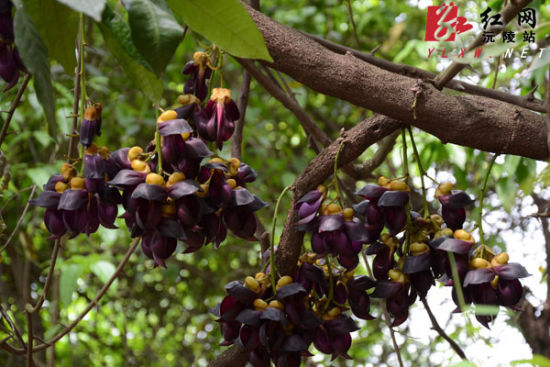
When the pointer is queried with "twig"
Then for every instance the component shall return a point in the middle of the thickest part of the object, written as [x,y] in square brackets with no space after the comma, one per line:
[441,332]
[13,106]
[16,194]
[30,333]
[385,146]
[496,72]
[413,72]
[74,132]
[95,301]
[392,334]
[49,277]
[13,327]
[507,14]
[353,26]
[18,224]
[91,305]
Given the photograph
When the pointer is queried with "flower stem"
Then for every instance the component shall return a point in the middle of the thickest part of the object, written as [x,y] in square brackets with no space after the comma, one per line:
[272,244]
[331,283]
[456,281]
[158,149]
[408,206]
[422,173]
[482,196]
[82,82]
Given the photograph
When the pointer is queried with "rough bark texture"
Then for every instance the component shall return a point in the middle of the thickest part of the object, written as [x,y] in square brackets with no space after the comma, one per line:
[355,141]
[471,121]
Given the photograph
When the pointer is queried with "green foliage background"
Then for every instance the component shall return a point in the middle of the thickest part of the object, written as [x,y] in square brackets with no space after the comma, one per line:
[159,317]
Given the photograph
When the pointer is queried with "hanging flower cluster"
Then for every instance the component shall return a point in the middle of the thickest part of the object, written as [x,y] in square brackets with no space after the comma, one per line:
[166,190]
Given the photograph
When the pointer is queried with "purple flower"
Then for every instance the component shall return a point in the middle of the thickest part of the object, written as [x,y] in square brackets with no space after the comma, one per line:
[91,125]
[309,204]
[217,121]
[199,71]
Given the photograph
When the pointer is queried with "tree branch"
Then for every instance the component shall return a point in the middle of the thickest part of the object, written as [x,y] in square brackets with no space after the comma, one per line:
[476,122]
[414,72]
[441,332]
[18,224]
[237,139]
[13,106]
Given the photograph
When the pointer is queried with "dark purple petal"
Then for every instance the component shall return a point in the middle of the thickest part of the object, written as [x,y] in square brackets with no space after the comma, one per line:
[329,223]
[149,192]
[53,219]
[478,276]
[127,177]
[240,292]
[173,127]
[242,197]
[183,188]
[455,245]
[341,325]
[371,191]
[47,199]
[310,197]
[171,228]
[195,148]
[386,289]
[73,199]
[294,343]
[511,271]
[273,314]
[416,263]
[356,231]
[456,200]
[290,290]
[393,198]
[249,317]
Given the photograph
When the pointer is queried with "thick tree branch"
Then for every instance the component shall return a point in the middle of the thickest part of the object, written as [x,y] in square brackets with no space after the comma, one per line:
[355,141]
[414,72]
[476,122]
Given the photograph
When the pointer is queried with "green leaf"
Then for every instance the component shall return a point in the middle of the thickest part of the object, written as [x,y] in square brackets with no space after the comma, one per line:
[104,270]
[155,32]
[225,23]
[526,175]
[506,191]
[58,26]
[463,364]
[117,37]
[537,360]
[35,56]
[68,282]
[92,8]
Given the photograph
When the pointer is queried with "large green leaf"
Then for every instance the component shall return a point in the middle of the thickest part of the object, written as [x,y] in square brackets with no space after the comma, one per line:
[92,8]
[226,23]
[104,270]
[58,26]
[35,56]
[155,32]
[116,33]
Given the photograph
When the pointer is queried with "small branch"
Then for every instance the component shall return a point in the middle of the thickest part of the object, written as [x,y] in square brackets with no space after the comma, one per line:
[30,332]
[543,205]
[49,277]
[237,139]
[507,14]
[13,106]
[441,332]
[20,220]
[353,26]
[91,305]
[385,146]
[13,327]
[413,72]
[394,341]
